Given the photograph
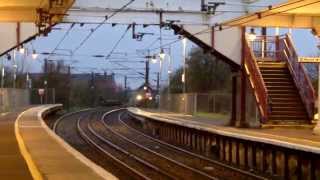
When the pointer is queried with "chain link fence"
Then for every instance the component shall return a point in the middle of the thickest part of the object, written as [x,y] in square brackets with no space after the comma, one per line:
[195,103]
[12,99]
[209,105]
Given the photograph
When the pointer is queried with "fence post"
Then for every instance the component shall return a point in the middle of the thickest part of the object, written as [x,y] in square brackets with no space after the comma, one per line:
[214,103]
[195,103]
[54,95]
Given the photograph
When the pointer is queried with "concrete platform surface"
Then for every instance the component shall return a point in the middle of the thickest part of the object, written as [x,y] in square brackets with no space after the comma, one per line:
[299,139]
[49,157]
[12,164]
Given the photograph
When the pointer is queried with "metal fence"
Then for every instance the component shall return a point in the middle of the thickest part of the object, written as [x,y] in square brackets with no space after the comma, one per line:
[211,105]
[196,103]
[12,99]
[42,96]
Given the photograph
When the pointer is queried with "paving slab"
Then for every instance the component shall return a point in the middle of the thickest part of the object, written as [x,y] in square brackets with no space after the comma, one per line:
[48,156]
[12,164]
[295,138]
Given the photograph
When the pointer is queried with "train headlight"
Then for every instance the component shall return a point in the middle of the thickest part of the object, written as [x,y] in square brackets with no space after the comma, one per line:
[139,97]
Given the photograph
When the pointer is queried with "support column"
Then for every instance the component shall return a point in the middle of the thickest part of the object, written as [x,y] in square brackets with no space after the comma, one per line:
[243,83]
[233,120]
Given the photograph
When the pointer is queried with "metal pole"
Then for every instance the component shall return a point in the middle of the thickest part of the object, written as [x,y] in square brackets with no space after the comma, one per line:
[318,92]
[2,83]
[14,69]
[2,73]
[169,73]
[184,48]
[160,75]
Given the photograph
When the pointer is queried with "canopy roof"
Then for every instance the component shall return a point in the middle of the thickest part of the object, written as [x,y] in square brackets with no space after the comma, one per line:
[27,10]
[293,14]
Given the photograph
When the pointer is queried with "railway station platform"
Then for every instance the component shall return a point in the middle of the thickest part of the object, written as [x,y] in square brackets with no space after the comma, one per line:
[30,150]
[12,164]
[294,138]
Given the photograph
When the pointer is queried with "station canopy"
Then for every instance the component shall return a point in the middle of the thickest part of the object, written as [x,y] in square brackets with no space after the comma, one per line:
[30,10]
[292,14]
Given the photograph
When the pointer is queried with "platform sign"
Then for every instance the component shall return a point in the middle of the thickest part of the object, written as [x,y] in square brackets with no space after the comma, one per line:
[41,92]
[309,59]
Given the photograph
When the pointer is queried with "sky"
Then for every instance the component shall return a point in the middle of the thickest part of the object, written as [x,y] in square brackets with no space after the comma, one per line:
[104,39]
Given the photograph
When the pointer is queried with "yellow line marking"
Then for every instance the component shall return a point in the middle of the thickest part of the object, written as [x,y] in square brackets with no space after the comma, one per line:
[35,172]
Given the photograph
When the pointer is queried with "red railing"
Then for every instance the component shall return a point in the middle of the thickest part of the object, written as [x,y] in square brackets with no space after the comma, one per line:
[280,48]
[298,73]
[256,80]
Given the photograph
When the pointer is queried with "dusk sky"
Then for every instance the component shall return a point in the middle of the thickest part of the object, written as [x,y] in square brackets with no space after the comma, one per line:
[106,37]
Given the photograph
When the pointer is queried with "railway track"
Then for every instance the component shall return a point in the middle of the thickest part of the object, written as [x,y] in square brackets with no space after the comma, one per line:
[133,154]
[194,162]
[66,127]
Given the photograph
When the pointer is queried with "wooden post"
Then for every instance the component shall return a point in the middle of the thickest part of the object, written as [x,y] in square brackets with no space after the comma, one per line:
[243,83]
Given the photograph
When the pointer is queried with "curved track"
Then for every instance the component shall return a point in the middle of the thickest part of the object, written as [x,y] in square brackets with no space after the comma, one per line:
[130,154]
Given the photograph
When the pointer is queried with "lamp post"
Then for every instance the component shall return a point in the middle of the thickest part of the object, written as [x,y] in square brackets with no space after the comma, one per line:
[2,83]
[183,78]
[14,69]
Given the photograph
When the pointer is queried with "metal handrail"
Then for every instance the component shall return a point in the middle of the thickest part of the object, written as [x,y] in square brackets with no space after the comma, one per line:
[256,81]
[282,49]
[299,75]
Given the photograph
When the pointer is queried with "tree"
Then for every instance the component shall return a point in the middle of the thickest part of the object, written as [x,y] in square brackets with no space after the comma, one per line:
[204,73]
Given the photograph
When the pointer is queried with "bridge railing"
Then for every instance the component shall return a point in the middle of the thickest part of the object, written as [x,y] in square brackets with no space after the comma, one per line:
[281,48]
[298,73]
[255,77]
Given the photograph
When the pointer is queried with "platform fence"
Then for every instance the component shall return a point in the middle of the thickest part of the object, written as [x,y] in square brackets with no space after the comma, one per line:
[12,99]
[216,105]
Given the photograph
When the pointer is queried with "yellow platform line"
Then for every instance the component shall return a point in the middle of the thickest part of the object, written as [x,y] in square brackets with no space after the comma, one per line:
[35,172]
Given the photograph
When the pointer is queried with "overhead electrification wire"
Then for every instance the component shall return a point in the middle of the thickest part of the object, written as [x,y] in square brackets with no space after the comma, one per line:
[61,40]
[132,69]
[209,29]
[99,25]
[117,43]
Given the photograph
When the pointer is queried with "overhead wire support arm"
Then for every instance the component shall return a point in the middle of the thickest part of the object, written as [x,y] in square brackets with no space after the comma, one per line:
[101,24]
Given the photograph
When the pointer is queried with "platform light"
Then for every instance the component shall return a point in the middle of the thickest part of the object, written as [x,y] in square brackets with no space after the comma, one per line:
[34,54]
[145,88]
[22,50]
[252,35]
[183,79]
[139,97]
[154,60]
[162,55]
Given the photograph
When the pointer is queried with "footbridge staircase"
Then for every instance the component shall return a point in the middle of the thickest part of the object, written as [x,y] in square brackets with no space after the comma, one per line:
[280,83]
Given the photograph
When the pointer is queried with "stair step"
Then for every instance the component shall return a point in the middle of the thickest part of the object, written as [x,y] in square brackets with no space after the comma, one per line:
[287,117]
[273,79]
[289,113]
[283,96]
[284,91]
[274,71]
[288,76]
[283,87]
[288,108]
[272,64]
[286,101]
[279,84]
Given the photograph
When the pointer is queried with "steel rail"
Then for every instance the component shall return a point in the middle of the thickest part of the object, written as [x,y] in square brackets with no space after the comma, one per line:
[86,137]
[153,152]
[190,153]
